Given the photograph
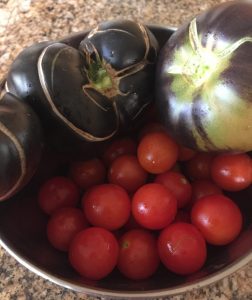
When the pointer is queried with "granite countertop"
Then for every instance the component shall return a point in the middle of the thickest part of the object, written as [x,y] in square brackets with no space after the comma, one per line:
[23,22]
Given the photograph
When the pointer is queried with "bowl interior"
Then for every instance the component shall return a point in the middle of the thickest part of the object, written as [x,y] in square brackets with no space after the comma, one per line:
[23,232]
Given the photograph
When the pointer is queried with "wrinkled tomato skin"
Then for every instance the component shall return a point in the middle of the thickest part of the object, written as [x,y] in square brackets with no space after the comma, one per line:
[93,253]
[182,248]
[218,218]
[138,254]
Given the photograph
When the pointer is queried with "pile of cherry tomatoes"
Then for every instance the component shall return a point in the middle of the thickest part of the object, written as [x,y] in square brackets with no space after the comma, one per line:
[144,202]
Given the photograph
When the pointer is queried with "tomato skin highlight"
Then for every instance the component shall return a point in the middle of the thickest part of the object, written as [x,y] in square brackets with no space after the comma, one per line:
[157,152]
[218,218]
[154,206]
[182,248]
[232,172]
[93,253]
[138,254]
[107,206]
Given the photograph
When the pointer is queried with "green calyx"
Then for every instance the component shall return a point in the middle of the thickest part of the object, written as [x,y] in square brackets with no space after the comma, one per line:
[195,67]
[99,76]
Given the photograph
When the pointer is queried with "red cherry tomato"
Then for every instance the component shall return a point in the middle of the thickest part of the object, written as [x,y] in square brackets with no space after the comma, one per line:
[185,153]
[57,192]
[232,172]
[157,152]
[127,172]
[154,206]
[202,188]
[88,173]
[138,254]
[107,206]
[93,253]
[218,218]
[182,248]
[178,185]
[119,147]
[199,166]
[63,226]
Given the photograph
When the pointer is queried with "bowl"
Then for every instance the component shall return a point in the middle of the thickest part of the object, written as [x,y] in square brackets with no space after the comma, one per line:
[23,235]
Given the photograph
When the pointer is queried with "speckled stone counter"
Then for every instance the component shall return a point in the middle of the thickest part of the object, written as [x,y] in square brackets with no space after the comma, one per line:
[25,22]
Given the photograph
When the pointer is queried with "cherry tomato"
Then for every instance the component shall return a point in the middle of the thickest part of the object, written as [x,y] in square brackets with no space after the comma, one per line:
[232,172]
[88,173]
[63,226]
[57,192]
[199,166]
[185,153]
[202,188]
[138,254]
[182,248]
[154,206]
[218,218]
[127,172]
[107,206]
[157,152]
[178,185]
[119,147]
[93,253]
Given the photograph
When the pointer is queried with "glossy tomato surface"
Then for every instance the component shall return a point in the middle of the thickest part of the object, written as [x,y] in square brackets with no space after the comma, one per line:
[107,206]
[127,172]
[218,218]
[154,206]
[157,152]
[182,248]
[232,172]
[93,253]
[138,254]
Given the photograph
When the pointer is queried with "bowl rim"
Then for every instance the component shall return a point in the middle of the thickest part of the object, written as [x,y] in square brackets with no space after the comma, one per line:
[101,292]
[96,291]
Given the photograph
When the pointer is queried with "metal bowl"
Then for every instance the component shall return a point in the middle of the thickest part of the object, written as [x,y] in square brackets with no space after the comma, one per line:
[23,235]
